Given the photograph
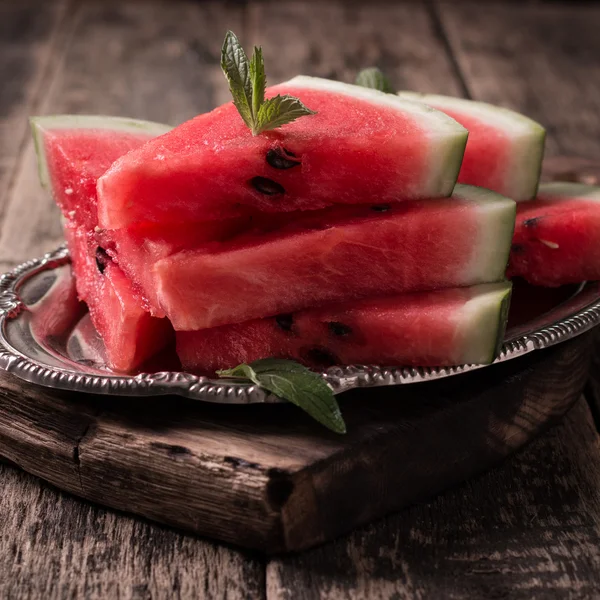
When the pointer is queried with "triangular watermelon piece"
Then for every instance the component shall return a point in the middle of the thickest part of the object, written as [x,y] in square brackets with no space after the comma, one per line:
[74,150]
[446,327]
[130,334]
[334,255]
[362,146]
[505,149]
[557,236]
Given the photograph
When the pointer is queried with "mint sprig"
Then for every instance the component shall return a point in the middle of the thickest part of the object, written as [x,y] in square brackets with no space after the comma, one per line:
[295,383]
[247,83]
[373,78]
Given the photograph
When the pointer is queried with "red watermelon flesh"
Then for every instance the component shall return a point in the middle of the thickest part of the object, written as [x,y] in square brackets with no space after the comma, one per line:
[505,149]
[130,334]
[445,327]
[73,151]
[363,146]
[336,255]
[136,249]
[557,236]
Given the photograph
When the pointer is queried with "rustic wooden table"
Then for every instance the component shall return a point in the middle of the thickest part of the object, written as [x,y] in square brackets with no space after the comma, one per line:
[528,529]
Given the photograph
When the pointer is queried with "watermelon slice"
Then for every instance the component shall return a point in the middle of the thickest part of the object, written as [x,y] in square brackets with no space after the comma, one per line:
[557,236]
[445,327]
[505,149]
[130,334]
[363,146]
[74,150]
[334,255]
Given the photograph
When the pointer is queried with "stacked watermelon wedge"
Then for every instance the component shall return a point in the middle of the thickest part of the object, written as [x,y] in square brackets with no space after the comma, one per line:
[316,221]
[339,237]
[73,151]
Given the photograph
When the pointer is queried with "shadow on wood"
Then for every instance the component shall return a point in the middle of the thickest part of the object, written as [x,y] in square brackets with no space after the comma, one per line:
[266,476]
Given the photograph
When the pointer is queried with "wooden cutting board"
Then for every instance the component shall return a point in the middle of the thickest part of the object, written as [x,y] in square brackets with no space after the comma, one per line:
[266,476]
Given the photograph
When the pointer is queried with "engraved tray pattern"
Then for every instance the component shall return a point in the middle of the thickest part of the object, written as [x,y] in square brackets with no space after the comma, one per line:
[53,365]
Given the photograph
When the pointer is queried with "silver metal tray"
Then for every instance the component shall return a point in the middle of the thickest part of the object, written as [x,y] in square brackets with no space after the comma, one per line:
[69,353]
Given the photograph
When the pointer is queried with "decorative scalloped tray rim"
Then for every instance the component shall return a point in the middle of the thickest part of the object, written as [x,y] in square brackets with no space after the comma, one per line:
[226,391]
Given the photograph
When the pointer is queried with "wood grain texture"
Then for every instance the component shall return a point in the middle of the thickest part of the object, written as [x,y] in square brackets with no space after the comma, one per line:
[28,33]
[147,59]
[541,60]
[530,529]
[151,60]
[54,546]
[268,477]
[336,40]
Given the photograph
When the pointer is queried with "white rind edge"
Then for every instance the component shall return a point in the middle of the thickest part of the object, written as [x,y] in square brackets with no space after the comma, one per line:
[448,138]
[421,112]
[223,391]
[504,118]
[483,313]
[41,124]
[497,223]
[527,138]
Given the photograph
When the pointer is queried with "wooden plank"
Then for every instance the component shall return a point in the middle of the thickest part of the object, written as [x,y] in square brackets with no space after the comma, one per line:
[525,530]
[530,529]
[148,59]
[337,39]
[541,60]
[267,476]
[53,546]
[151,60]
[28,32]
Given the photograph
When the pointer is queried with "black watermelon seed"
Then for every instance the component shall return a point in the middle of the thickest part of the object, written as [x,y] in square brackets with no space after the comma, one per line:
[320,356]
[267,186]
[517,249]
[285,321]
[381,207]
[277,158]
[339,329]
[533,222]
[102,258]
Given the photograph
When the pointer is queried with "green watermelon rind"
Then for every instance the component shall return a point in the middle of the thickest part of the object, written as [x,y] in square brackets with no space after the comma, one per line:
[561,190]
[495,237]
[41,124]
[526,163]
[488,314]
[448,137]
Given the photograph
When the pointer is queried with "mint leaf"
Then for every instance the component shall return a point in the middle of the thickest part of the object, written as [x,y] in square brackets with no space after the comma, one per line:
[264,365]
[247,83]
[236,67]
[242,371]
[309,392]
[280,110]
[295,383]
[259,81]
[373,78]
